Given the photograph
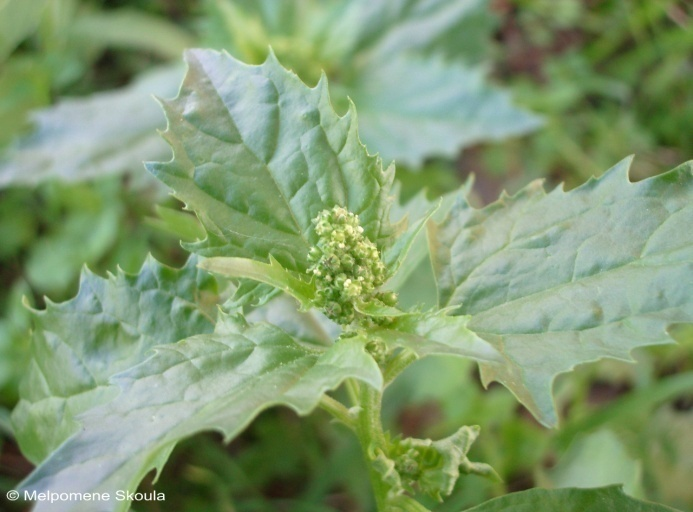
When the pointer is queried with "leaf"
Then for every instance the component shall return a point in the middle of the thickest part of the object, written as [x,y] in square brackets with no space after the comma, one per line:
[305,326]
[417,251]
[272,274]
[110,326]
[258,154]
[433,467]
[250,293]
[596,460]
[400,26]
[218,381]
[131,29]
[105,133]
[395,255]
[413,107]
[180,224]
[18,18]
[569,500]
[435,333]
[559,279]
[404,62]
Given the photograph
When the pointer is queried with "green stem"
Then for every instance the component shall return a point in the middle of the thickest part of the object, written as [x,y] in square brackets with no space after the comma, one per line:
[337,410]
[398,364]
[352,387]
[369,431]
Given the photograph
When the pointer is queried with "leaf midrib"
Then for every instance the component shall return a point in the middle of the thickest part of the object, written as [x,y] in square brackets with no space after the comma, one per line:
[265,165]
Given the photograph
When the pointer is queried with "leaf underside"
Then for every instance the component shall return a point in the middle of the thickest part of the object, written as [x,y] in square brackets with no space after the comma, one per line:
[428,334]
[553,280]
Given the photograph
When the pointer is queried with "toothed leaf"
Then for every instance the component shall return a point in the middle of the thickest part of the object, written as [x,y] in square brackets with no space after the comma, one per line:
[435,334]
[111,325]
[258,154]
[217,381]
[559,279]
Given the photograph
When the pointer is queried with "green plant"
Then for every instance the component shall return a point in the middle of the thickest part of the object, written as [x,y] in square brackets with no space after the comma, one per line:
[529,287]
[386,55]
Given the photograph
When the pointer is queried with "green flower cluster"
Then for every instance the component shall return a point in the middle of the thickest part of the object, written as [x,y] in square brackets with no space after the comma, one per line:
[346,266]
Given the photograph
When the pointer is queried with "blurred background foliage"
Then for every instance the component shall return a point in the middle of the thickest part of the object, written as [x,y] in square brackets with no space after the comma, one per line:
[590,82]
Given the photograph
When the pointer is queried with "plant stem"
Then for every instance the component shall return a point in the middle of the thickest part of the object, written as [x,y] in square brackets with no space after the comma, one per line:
[398,364]
[369,431]
[337,410]
[352,387]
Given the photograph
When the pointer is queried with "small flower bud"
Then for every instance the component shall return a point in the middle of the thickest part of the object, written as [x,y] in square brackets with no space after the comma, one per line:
[347,267]
[314,254]
[388,298]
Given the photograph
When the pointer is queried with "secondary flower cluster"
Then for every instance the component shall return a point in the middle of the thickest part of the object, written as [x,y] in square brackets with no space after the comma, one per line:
[346,265]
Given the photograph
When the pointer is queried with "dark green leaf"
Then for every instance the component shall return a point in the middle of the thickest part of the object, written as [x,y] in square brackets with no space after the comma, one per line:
[554,280]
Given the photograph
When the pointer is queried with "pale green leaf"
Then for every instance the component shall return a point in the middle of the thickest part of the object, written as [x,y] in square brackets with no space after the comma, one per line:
[438,463]
[258,154]
[131,29]
[110,326]
[435,333]
[105,133]
[272,274]
[411,107]
[392,27]
[18,18]
[554,280]
[415,218]
[218,381]
[596,460]
[417,250]
[405,63]
[569,500]
[180,224]
[250,293]
[307,326]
